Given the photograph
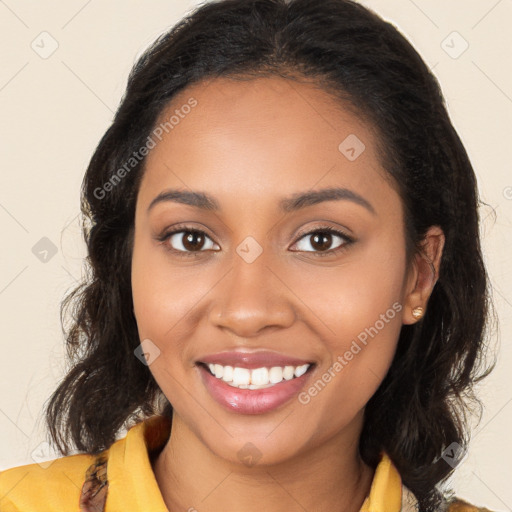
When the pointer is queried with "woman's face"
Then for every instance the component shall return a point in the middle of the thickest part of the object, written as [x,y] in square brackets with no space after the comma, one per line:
[264,275]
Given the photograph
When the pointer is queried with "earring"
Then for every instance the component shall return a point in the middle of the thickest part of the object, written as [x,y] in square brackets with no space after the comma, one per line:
[417,312]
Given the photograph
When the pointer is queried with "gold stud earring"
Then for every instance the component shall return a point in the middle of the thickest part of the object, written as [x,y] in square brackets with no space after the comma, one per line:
[417,312]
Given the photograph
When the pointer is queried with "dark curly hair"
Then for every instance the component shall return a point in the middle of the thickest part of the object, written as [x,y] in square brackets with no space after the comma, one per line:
[421,406]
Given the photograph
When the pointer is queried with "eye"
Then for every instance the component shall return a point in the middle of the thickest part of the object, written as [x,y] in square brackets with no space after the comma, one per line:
[187,241]
[321,240]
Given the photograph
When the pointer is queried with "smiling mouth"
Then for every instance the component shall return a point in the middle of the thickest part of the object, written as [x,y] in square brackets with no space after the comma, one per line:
[256,378]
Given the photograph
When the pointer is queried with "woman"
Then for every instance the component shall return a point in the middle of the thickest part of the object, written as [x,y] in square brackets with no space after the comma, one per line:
[287,298]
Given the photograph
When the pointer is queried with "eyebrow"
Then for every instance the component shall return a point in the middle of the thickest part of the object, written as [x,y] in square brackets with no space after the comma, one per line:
[289,204]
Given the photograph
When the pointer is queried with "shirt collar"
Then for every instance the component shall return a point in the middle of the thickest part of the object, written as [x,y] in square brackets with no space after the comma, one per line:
[133,486]
[132,483]
[386,489]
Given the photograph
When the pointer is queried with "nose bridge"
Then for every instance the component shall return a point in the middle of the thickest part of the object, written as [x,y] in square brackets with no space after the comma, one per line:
[252,297]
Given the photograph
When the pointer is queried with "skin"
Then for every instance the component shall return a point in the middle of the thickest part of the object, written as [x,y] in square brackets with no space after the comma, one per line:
[249,144]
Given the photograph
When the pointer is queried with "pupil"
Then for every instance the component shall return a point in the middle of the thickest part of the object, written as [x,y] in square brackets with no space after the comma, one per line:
[324,243]
[192,240]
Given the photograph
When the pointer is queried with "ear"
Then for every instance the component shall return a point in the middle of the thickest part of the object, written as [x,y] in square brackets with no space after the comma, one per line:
[423,274]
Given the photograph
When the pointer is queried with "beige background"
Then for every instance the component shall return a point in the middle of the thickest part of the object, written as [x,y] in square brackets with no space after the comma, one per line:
[54,111]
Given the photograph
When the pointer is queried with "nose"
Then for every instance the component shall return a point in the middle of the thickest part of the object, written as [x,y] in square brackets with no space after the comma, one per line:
[251,298]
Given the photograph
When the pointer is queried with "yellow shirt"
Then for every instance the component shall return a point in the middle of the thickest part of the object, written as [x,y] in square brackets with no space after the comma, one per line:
[129,484]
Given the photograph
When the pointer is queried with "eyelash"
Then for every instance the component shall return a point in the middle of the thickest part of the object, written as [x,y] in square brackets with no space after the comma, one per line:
[164,237]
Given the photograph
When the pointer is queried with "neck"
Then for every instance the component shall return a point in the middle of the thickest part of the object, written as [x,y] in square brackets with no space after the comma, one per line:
[331,476]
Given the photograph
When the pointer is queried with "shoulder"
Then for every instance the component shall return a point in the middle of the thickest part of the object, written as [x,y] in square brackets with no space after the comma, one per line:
[56,483]
[459,505]
[453,504]
[83,481]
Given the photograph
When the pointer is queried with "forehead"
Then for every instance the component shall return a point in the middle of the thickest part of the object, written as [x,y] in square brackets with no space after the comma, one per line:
[262,138]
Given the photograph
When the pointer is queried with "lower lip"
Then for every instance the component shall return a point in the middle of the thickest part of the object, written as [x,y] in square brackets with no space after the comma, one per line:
[251,401]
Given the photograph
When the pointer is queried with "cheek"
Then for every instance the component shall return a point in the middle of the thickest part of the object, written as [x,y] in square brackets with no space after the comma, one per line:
[361,348]
[163,298]
[168,297]
[339,392]
[351,297]
[359,305]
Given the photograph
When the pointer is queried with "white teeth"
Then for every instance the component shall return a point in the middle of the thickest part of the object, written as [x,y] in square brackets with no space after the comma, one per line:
[219,371]
[288,372]
[301,370]
[258,378]
[228,374]
[241,376]
[255,386]
[275,374]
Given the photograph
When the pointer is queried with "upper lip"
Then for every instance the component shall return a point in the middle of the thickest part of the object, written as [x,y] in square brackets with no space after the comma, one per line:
[251,360]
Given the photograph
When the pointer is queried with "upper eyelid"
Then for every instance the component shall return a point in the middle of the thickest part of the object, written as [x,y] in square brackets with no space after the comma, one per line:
[336,231]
